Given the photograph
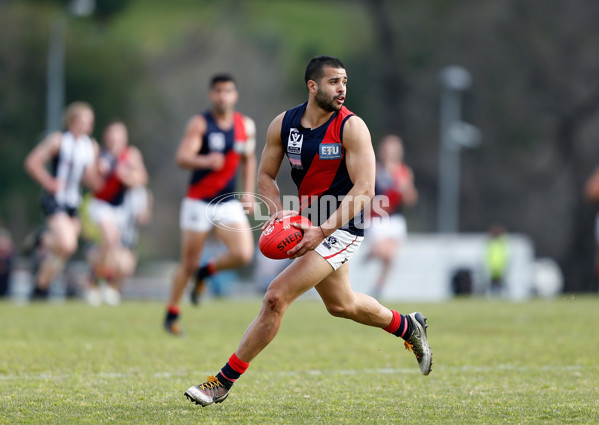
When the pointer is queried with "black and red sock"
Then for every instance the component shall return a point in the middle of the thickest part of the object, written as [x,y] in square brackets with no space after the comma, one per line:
[205,271]
[400,325]
[232,371]
[172,312]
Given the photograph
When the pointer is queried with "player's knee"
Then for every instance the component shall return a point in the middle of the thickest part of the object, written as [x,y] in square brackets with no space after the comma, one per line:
[66,248]
[126,266]
[387,258]
[339,310]
[110,236]
[273,303]
[383,254]
[245,256]
[112,241]
[188,266]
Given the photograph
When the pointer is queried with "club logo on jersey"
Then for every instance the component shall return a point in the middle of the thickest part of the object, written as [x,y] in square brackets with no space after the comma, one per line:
[329,151]
[296,161]
[216,142]
[294,142]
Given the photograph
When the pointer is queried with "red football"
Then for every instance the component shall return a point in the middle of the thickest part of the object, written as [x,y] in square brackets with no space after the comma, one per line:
[281,236]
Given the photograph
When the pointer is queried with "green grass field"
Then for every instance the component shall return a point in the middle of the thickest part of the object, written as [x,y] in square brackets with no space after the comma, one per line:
[495,362]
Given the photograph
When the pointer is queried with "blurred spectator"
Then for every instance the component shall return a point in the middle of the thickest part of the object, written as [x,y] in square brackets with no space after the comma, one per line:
[388,231]
[591,193]
[6,260]
[497,258]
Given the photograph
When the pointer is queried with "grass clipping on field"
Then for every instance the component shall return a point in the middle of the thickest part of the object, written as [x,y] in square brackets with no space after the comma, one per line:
[495,362]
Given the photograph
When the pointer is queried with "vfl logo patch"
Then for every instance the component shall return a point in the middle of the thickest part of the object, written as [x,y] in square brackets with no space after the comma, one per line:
[294,142]
[329,151]
[331,240]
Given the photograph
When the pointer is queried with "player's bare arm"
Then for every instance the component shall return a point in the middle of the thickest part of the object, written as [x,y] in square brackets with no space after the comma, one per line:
[248,162]
[191,143]
[409,192]
[591,189]
[92,176]
[361,166]
[35,163]
[134,172]
[270,163]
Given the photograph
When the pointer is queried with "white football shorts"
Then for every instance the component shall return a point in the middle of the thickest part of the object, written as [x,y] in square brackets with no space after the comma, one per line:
[338,248]
[200,216]
[102,212]
[389,227]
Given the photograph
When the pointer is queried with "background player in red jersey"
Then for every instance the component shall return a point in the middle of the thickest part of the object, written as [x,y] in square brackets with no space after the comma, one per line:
[591,193]
[122,168]
[215,145]
[331,154]
[395,181]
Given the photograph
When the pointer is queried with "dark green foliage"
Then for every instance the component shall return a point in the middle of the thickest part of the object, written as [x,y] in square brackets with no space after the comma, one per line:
[534,95]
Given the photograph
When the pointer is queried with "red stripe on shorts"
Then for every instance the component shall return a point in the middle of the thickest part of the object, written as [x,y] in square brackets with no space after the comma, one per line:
[339,252]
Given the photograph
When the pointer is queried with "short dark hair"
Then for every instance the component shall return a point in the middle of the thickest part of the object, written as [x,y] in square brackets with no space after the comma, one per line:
[314,70]
[222,78]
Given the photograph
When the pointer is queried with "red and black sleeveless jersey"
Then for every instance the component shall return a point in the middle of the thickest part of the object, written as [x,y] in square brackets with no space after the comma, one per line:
[206,184]
[389,183]
[318,167]
[113,190]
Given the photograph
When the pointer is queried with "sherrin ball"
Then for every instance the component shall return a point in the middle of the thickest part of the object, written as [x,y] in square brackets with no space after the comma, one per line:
[280,237]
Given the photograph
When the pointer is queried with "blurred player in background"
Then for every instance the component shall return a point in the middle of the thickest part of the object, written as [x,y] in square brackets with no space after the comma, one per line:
[395,181]
[72,157]
[138,207]
[497,259]
[7,255]
[123,171]
[591,193]
[215,145]
[331,157]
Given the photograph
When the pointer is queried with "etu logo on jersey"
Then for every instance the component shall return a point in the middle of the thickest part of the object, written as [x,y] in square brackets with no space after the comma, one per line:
[329,151]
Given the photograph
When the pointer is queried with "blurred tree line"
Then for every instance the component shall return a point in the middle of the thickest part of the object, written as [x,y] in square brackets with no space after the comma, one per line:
[535,96]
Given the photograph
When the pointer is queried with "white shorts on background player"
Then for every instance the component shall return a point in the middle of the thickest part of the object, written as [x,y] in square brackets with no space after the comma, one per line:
[390,227]
[338,248]
[200,216]
[103,212]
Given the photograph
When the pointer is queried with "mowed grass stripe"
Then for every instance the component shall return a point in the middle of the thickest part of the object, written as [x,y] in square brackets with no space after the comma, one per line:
[307,373]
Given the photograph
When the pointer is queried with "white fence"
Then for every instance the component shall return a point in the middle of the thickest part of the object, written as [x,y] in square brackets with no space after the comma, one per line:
[426,264]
